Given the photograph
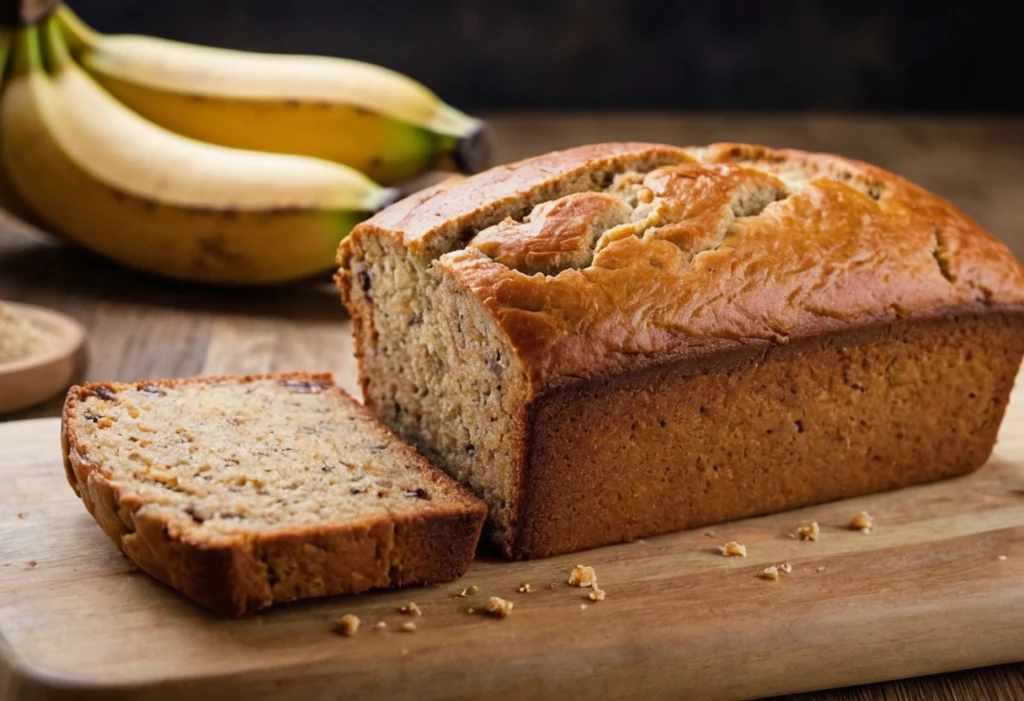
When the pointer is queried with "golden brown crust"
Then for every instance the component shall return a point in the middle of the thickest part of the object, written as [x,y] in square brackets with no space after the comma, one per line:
[692,443]
[241,573]
[555,235]
[846,244]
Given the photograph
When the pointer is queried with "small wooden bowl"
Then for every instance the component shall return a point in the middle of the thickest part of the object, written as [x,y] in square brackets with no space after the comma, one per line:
[32,380]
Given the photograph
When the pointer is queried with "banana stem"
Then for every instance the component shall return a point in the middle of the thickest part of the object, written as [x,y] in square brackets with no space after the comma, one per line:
[28,56]
[78,35]
[55,49]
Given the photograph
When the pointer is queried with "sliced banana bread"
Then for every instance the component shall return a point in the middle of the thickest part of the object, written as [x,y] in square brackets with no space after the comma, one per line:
[245,491]
[620,340]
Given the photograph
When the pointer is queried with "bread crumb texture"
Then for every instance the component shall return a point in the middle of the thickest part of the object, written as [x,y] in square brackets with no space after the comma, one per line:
[582,576]
[407,627]
[733,549]
[786,567]
[596,595]
[807,532]
[498,607]
[20,338]
[524,588]
[205,453]
[347,626]
[1001,558]
[861,522]
[769,573]
[380,625]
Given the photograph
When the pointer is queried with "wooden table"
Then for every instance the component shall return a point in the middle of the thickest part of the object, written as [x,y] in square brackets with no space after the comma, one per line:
[141,327]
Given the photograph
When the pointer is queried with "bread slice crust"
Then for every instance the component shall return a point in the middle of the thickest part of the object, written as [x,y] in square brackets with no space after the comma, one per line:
[239,573]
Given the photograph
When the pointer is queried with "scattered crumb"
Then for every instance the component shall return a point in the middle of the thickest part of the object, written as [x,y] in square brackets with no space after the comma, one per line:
[596,595]
[820,568]
[22,514]
[411,609]
[1001,558]
[407,627]
[498,607]
[642,541]
[861,522]
[733,549]
[582,576]
[405,651]
[31,563]
[709,534]
[786,567]
[471,610]
[468,591]
[583,607]
[380,625]
[810,532]
[347,625]
[769,573]
[524,588]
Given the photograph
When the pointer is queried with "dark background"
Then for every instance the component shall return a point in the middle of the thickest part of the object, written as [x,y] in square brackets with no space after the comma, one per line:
[869,55]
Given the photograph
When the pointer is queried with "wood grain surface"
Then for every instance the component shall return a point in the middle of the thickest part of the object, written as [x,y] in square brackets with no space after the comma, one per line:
[935,586]
[144,327]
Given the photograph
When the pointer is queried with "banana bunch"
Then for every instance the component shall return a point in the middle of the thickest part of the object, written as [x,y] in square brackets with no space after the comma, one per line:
[205,164]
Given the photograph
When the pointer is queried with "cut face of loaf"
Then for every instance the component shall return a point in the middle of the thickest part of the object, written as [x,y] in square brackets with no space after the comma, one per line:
[627,339]
[242,492]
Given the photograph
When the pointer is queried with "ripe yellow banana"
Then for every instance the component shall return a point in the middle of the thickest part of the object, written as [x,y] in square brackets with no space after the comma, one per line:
[375,120]
[157,201]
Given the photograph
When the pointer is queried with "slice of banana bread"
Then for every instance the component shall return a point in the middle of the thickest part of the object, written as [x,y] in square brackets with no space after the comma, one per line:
[245,491]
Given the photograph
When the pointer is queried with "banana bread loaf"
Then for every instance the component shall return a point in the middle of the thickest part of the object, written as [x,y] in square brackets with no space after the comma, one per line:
[627,339]
[242,492]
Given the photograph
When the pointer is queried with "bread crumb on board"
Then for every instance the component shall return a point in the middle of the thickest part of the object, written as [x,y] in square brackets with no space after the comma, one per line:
[380,625]
[596,595]
[583,607]
[468,591]
[861,522]
[524,588]
[773,572]
[733,549]
[820,568]
[411,609]
[810,532]
[582,576]
[407,627]
[347,625]
[498,607]
[1001,558]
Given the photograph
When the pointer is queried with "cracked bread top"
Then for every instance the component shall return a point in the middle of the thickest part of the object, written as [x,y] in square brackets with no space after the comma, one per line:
[605,258]
[217,459]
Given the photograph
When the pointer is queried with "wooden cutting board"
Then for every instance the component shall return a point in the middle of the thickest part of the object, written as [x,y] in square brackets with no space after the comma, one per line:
[937,586]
